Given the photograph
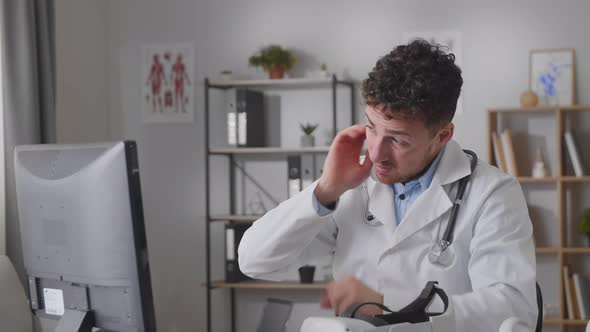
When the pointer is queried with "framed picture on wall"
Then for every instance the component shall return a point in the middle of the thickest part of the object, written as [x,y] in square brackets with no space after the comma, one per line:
[552,76]
[167,83]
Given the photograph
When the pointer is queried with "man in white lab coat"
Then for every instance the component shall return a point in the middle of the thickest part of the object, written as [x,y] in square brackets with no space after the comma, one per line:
[379,219]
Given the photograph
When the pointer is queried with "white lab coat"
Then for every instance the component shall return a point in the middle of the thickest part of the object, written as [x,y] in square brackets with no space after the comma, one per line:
[489,270]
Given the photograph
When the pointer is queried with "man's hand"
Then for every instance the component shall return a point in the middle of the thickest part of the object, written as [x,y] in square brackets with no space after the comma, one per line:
[342,170]
[341,294]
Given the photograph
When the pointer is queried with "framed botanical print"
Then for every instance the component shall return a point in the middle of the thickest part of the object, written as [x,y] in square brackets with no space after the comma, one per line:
[552,76]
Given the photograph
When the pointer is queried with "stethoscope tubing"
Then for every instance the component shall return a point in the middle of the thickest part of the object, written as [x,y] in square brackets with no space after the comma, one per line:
[447,237]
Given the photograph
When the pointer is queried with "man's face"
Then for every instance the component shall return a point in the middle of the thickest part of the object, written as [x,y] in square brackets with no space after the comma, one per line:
[402,149]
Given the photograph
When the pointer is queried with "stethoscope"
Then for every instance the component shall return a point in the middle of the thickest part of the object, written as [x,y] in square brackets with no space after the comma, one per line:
[438,248]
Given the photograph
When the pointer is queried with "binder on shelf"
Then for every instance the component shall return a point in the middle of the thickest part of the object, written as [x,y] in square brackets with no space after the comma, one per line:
[245,118]
[498,152]
[510,156]
[233,236]
[294,174]
[574,155]
[307,170]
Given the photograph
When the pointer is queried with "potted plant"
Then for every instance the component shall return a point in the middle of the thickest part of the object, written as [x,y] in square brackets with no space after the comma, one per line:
[584,224]
[307,139]
[274,60]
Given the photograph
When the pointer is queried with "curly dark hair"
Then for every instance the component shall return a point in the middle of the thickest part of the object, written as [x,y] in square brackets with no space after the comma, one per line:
[415,81]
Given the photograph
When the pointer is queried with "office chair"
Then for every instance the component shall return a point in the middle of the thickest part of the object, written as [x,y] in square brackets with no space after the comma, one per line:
[539,327]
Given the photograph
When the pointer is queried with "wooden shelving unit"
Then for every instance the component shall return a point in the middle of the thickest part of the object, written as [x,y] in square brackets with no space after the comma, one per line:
[561,181]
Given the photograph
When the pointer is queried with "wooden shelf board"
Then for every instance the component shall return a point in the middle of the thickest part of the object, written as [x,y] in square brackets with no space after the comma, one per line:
[574,322]
[553,321]
[541,109]
[575,178]
[546,250]
[258,284]
[268,150]
[581,250]
[286,82]
[529,179]
[232,217]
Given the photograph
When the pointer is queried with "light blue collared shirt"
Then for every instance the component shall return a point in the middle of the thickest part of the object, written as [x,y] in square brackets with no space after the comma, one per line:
[405,195]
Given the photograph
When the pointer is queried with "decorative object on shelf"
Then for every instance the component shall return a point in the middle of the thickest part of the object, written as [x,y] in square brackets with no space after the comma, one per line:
[529,99]
[584,224]
[552,76]
[274,60]
[226,75]
[308,140]
[166,79]
[306,273]
[539,168]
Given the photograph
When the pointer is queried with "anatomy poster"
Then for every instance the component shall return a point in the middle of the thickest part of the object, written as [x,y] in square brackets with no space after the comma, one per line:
[167,83]
[448,38]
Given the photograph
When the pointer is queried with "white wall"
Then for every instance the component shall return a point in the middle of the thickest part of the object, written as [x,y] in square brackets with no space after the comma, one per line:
[82,73]
[349,36]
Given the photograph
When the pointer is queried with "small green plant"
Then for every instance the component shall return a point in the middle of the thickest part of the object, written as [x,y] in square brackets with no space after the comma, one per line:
[324,67]
[308,128]
[271,56]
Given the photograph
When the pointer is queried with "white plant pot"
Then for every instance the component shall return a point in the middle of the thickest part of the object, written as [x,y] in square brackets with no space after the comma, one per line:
[307,141]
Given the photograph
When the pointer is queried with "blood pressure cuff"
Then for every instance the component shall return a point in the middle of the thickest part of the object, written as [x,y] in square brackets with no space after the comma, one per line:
[414,312]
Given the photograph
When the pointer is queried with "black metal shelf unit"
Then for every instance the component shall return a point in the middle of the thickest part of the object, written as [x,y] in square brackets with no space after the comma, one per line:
[333,83]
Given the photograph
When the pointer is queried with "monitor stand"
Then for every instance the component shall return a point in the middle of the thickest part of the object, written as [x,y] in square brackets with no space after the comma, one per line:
[75,321]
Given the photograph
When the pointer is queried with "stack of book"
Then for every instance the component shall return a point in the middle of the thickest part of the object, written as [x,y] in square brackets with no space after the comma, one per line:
[577,296]
[504,152]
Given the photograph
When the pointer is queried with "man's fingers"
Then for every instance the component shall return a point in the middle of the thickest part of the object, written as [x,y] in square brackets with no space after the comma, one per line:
[325,302]
[353,133]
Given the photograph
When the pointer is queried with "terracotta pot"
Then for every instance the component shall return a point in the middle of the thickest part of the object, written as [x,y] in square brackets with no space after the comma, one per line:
[276,72]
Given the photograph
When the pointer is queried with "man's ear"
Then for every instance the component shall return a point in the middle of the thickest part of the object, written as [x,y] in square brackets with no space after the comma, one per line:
[445,133]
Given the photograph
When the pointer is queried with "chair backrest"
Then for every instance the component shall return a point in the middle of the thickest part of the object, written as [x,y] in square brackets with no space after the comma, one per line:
[539,308]
[15,314]
[275,316]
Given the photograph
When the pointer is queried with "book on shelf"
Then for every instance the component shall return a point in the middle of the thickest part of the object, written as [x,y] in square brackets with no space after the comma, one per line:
[509,155]
[575,305]
[573,152]
[568,293]
[498,152]
[582,295]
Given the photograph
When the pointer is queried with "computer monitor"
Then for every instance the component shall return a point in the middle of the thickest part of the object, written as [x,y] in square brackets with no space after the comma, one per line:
[83,236]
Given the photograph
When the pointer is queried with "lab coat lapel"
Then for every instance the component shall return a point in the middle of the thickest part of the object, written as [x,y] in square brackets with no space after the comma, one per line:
[381,206]
[435,201]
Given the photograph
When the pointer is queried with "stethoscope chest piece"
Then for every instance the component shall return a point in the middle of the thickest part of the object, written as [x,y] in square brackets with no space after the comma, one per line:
[441,253]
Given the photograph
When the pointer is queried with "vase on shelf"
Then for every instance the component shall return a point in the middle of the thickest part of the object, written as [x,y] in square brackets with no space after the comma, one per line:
[539,169]
[307,141]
